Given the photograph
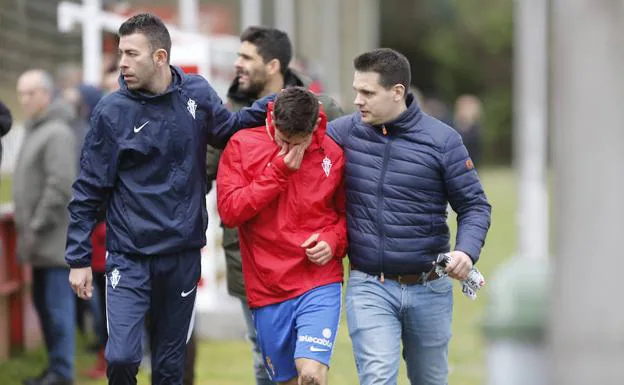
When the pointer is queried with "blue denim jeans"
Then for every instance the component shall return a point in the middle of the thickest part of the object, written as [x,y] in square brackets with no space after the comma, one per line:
[55,303]
[381,316]
[262,377]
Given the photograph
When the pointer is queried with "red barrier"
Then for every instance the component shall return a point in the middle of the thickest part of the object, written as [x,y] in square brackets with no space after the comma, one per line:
[18,329]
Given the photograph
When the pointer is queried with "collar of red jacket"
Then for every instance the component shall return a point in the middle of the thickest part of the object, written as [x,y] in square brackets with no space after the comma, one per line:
[318,134]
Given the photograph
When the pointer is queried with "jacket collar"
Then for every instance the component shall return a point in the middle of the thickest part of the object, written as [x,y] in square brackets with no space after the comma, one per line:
[177,79]
[318,134]
[405,121]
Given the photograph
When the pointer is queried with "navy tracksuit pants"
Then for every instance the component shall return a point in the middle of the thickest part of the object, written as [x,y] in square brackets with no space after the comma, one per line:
[165,286]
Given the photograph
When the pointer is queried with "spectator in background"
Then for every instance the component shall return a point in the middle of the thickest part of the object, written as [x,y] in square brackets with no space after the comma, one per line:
[98,267]
[418,96]
[467,121]
[88,98]
[45,170]
[110,81]
[435,107]
[68,76]
[6,121]
[302,66]
[83,98]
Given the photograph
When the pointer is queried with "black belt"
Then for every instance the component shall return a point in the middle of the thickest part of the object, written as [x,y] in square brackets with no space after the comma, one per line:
[405,279]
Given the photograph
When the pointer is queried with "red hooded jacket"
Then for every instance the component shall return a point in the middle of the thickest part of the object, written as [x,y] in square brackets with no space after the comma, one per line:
[276,210]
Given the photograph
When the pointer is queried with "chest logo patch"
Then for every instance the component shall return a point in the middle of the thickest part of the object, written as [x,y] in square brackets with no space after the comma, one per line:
[191,106]
[114,278]
[327,165]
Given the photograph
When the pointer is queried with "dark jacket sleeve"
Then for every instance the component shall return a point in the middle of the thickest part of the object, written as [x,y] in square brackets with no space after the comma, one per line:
[466,196]
[98,172]
[6,120]
[222,124]
[340,129]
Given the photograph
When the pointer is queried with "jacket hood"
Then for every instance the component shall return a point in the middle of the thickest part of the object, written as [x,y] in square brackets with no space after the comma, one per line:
[177,80]
[318,134]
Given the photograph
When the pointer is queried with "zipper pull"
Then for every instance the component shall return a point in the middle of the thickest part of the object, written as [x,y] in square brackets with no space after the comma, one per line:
[384,130]
[381,278]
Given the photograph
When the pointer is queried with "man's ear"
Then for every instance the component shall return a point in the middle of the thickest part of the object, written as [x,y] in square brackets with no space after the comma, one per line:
[398,92]
[273,66]
[161,57]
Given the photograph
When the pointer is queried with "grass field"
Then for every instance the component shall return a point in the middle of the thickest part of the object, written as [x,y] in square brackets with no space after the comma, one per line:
[229,363]
[5,188]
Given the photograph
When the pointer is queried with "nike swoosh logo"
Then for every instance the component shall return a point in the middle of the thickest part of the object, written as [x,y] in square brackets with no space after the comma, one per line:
[140,128]
[186,293]
[315,349]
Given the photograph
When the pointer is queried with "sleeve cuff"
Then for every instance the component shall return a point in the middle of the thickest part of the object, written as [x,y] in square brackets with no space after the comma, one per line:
[472,252]
[79,264]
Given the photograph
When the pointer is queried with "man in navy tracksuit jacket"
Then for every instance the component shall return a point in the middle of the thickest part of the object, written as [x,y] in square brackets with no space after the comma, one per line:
[145,156]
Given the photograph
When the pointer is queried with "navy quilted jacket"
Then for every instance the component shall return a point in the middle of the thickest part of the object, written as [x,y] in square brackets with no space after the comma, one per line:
[399,182]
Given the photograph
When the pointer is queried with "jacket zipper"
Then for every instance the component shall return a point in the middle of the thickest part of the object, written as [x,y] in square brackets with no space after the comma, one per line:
[384,168]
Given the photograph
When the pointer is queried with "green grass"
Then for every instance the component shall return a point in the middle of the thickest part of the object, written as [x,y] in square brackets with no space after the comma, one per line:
[5,189]
[229,363]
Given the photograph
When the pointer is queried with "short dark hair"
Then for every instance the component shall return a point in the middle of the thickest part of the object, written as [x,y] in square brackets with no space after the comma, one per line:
[271,44]
[152,27]
[393,68]
[296,110]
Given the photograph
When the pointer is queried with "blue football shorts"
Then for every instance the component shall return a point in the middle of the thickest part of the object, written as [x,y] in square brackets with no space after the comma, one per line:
[302,327]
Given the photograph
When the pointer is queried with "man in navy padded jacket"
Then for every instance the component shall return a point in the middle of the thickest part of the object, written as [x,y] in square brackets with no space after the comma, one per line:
[145,157]
[403,168]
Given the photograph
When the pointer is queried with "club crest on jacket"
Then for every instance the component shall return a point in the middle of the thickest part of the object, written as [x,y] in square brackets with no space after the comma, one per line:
[191,106]
[327,165]
[114,278]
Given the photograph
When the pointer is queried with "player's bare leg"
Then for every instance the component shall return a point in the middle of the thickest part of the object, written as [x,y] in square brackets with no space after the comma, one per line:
[292,381]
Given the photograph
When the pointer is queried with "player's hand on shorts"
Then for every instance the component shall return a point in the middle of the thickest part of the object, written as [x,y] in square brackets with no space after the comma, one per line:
[318,252]
[460,265]
[81,281]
